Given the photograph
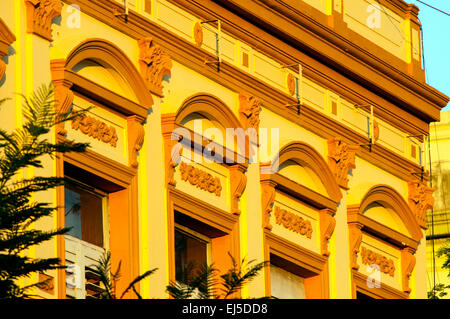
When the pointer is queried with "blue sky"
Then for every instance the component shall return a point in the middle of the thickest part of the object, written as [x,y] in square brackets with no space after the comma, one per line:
[436,38]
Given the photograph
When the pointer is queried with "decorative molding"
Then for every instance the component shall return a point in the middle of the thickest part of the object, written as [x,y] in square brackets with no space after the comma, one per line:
[40,14]
[200,179]
[63,93]
[327,226]
[293,222]
[46,283]
[408,263]
[291,85]
[238,182]
[420,199]
[355,239]
[6,39]
[154,64]
[95,128]
[369,257]
[388,197]
[267,200]
[235,79]
[198,34]
[136,135]
[341,158]
[107,53]
[306,155]
[249,109]
[376,130]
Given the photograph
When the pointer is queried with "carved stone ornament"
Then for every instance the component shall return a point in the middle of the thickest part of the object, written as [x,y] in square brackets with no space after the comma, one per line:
[420,199]
[198,34]
[408,263]
[154,64]
[267,200]
[293,222]
[249,109]
[355,239]
[40,14]
[6,39]
[95,128]
[46,283]
[327,225]
[63,93]
[369,257]
[200,179]
[238,182]
[136,134]
[291,83]
[341,158]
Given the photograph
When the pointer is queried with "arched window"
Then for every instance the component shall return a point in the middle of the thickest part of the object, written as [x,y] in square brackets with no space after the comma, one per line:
[384,235]
[101,200]
[299,199]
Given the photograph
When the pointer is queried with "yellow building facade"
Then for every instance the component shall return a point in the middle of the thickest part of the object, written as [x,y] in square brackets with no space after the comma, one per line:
[438,231]
[292,132]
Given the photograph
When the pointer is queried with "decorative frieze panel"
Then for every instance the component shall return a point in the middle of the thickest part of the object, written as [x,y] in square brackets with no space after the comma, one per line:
[293,222]
[96,129]
[154,64]
[420,199]
[40,14]
[369,257]
[200,179]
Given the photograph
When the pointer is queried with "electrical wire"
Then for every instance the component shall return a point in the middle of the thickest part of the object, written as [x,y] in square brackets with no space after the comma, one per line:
[434,7]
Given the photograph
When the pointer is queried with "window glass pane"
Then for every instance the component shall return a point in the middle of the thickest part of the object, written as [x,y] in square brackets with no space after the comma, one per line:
[84,212]
[190,254]
[286,285]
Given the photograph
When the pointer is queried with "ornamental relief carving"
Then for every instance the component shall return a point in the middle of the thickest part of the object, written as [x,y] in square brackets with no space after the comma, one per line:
[369,257]
[95,128]
[293,222]
[420,199]
[341,158]
[154,64]
[249,109]
[40,14]
[200,179]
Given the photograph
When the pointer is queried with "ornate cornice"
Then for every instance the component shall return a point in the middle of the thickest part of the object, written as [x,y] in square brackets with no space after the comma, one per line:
[420,199]
[341,158]
[40,14]
[238,81]
[154,64]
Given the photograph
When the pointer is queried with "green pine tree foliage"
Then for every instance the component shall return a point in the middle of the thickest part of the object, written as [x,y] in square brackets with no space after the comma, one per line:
[205,282]
[109,279]
[22,149]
